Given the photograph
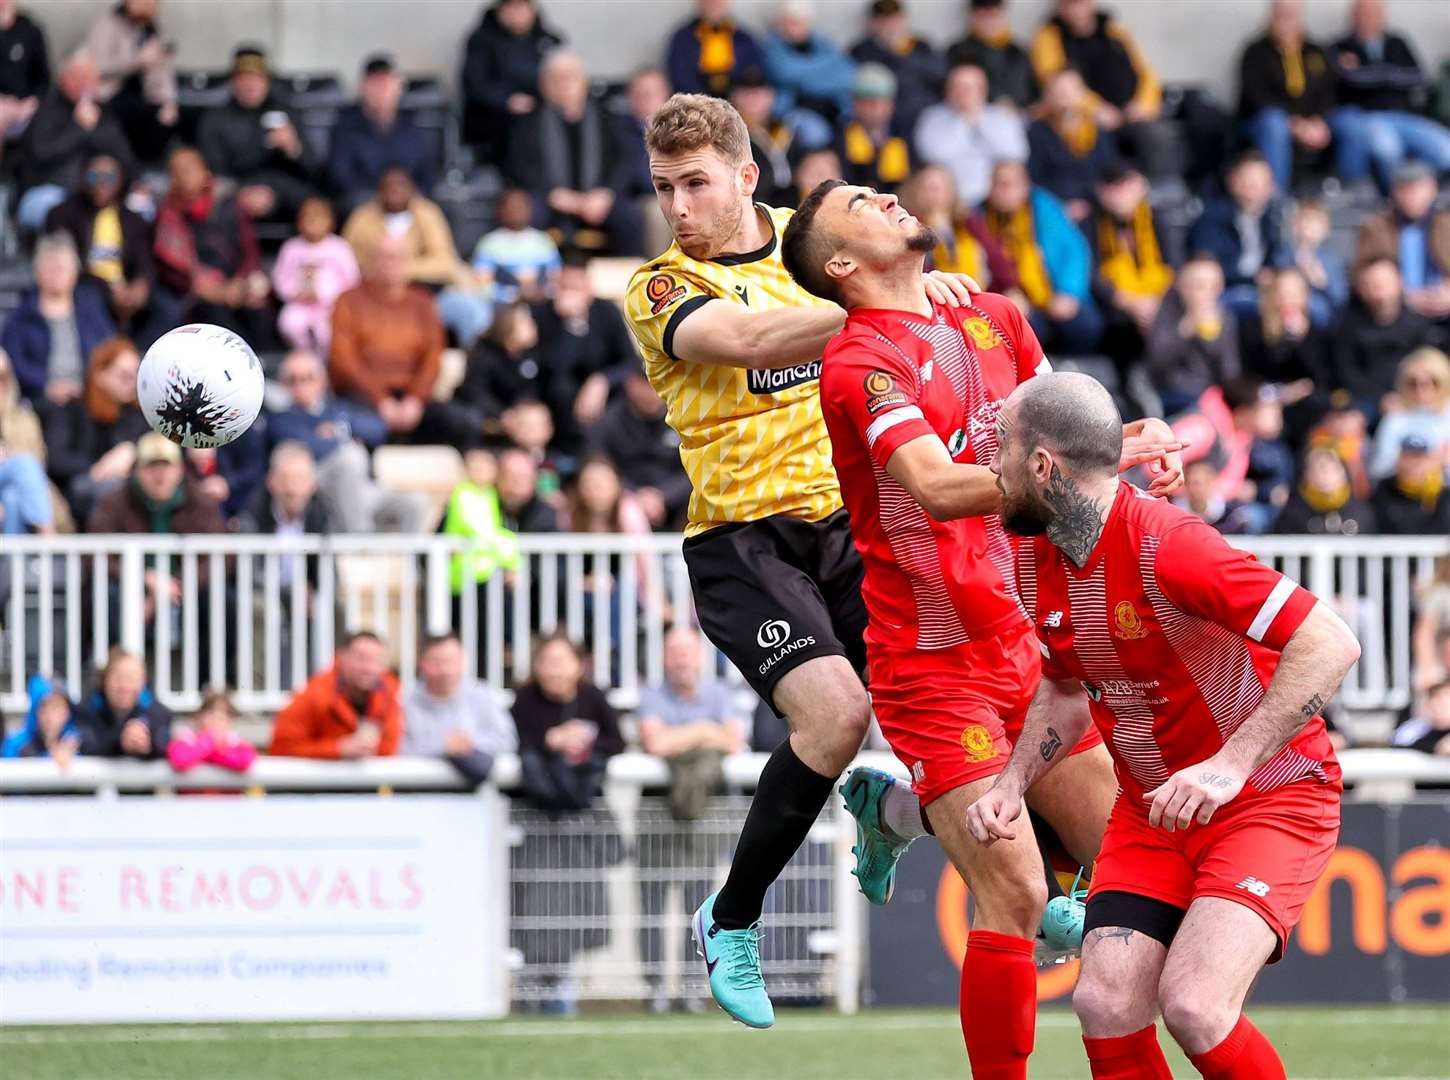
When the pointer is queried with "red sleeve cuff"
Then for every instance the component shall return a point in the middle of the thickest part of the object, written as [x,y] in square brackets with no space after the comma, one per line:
[892,430]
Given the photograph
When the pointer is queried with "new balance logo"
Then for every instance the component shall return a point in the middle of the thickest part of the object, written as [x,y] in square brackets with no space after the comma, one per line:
[1053,620]
[1253,885]
[926,370]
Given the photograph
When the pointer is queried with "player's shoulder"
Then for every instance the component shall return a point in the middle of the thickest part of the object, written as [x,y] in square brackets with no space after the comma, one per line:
[859,342]
[997,305]
[657,283]
[1161,521]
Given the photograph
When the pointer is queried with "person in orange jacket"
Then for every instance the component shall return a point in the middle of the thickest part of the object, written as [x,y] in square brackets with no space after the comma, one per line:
[350,710]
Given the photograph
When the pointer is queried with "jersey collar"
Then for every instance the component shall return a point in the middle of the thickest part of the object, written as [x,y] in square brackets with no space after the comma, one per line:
[762,252]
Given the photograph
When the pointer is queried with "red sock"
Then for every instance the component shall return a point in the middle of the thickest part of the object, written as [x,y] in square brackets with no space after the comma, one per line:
[998,1004]
[1128,1057]
[1244,1055]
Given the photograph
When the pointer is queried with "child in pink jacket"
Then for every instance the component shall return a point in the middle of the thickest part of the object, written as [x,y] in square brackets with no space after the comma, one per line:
[313,269]
[210,738]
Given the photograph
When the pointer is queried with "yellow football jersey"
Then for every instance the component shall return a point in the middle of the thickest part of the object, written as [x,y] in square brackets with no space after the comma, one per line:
[754,443]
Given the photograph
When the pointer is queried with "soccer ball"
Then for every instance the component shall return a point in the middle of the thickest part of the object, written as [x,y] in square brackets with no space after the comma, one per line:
[200,385]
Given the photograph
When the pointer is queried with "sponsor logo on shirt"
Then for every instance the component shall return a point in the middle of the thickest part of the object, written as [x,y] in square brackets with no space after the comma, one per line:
[770,380]
[982,333]
[957,443]
[1130,626]
[978,744]
[1133,689]
[775,634]
[662,292]
[881,392]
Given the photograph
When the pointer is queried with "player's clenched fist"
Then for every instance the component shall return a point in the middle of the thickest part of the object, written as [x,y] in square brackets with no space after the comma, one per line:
[990,817]
[1195,792]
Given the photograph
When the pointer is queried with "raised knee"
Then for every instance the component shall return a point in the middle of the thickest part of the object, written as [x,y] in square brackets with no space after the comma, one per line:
[835,724]
[1198,1020]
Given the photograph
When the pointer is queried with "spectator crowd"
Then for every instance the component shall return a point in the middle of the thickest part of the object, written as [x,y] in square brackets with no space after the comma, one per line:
[1272,274]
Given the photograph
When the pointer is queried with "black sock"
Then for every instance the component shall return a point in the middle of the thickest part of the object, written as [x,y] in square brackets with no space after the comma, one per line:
[788,799]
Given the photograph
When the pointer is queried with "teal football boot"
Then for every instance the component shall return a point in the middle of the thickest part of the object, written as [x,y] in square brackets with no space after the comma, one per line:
[877,849]
[732,960]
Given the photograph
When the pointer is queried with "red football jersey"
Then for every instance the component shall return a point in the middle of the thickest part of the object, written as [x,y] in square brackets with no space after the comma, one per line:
[1174,634]
[890,377]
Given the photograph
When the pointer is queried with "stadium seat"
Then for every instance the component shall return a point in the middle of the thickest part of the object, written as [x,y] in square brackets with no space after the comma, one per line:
[430,471]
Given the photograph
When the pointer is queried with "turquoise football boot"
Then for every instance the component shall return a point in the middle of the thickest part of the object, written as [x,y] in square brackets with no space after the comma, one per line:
[732,960]
[877,849]
[1060,934]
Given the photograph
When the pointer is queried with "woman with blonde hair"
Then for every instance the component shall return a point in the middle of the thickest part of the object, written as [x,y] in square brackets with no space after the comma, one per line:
[1422,387]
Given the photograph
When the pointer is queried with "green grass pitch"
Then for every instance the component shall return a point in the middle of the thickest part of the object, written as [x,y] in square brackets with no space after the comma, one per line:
[1317,1044]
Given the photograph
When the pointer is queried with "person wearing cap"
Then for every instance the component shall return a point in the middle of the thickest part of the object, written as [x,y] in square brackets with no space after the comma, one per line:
[919,69]
[1417,237]
[1412,501]
[873,154]
[1422,387]
[1382,89]
[988,45]
[811,75]
[254,141]
[968,135]
[707,54]
[373,134]
[772,139]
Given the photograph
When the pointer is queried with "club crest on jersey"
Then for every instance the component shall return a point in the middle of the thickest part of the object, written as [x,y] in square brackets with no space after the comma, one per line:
[881,392]
[978,744]
[662,292]
[982,333]
[1130,626]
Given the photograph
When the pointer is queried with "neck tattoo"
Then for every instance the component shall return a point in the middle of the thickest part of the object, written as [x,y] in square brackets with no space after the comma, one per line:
[1077,519]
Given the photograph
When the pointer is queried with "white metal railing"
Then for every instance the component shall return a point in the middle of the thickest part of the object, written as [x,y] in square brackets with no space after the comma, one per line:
[64,601]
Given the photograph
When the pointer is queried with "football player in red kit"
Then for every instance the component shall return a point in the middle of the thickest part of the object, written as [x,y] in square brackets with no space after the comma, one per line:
[1206,673]
[910,391]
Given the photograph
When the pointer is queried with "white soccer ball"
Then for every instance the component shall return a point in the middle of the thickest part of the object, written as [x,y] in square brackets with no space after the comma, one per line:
[200,385]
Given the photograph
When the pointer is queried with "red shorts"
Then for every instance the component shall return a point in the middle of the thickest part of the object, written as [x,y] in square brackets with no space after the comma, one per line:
[951,715]
[1265,852]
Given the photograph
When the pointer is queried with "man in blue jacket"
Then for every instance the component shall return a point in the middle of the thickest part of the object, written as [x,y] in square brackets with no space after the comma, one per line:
[373,135]
[1244,230]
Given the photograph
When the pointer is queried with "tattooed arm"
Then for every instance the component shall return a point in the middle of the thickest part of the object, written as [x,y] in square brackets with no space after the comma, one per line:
[1314,661]
[1056,721]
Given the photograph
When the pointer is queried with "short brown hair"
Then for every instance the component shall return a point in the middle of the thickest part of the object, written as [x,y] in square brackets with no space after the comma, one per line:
[689,122]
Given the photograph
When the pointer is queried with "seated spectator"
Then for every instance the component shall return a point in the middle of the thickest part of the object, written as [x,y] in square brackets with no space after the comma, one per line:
[1381,90]
[28,503]
[90,441]
[1313,256]
[596,504]
[515,254]
[1201,498]
[772,139]
[523,509]
[210,738]
[1417,237]
[138,77]
[872,152]
[350,710]
[1131,273]
[1244,231]
[693,724]
[707,54]
[1054,267]
[208,265]
[500,79]
[988,45]
[1194,342]
[1344,429]
[813,168]
[122,718]
[454,717]
[341,436]
[584,349]
[810,73]
[1376,331]
[1286,89]
[387,341]
[68,128]
[567,729]
[253,140]
[1428,731]
[1127,95]
[1067,153]
[568,155]
[964,244]
[919,69]
[1324,504]
[475,513]
[1421,409]
[1238,428]
[1412,500]
[968,136]
[648,89]
[59,321]
[636,437]
[1430,637]
[115,240]
[504,368]
[48,729]
[289,504]
[313,269]
[26,77]
[373,135]
[1283,347]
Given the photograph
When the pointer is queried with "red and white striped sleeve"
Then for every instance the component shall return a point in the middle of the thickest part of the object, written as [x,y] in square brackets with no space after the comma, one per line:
[878,391]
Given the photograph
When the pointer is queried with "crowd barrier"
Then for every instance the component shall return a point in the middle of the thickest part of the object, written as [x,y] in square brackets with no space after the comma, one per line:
[260,613]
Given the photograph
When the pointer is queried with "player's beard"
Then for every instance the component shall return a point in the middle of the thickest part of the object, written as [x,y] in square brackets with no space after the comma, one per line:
[922,241]
[708,244]
[1026,517]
